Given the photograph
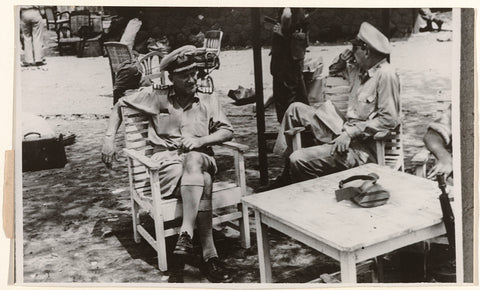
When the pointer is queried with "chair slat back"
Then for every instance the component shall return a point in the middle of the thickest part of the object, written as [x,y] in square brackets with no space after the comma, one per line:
[77,21]
[213,40]
[50,15]
[136,135]
[136,128]
[394,149]
[150,67]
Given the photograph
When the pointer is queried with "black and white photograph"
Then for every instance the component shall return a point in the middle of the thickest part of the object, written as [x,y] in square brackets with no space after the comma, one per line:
[161,145]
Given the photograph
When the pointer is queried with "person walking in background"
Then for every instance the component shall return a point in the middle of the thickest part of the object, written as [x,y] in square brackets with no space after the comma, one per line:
[289,45]
[31,24]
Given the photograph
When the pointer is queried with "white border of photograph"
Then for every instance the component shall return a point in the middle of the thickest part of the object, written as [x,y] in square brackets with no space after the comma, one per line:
[456,152]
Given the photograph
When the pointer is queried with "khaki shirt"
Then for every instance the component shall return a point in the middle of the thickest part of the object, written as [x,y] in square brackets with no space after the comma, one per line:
[374,101]
[170,121]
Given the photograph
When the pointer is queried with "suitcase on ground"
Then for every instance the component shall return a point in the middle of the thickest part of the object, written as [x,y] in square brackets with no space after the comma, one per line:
[39,154]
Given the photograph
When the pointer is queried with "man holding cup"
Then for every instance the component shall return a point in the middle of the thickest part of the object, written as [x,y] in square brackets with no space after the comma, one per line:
[344,142]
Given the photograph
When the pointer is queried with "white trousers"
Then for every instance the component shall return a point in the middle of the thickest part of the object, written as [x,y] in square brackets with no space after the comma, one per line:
[31,24]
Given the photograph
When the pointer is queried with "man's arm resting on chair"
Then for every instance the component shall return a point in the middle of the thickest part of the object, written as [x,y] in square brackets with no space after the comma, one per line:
[108,148]
[220,136]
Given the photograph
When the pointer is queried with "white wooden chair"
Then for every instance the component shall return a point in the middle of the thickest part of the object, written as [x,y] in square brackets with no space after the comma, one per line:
[150,67]
[389,147]
[208,56]
[145,189]
[213,41]
[208,59]
[117,53]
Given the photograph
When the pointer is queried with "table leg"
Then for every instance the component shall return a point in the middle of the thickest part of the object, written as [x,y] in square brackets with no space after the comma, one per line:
[348,267]
[377,271]
[263,250]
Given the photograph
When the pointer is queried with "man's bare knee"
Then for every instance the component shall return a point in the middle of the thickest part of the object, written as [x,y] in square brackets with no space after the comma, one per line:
[295,107]
[193,162]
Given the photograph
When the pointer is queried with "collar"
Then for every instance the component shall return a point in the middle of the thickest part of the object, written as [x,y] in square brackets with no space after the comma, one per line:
[173,100]
[371,71]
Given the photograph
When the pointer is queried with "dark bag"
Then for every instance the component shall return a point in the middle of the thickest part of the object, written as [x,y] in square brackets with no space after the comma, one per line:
[369,194]
[38,154]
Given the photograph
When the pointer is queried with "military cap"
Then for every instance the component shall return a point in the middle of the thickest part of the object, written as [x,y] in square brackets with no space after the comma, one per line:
[181,59]
[373,38]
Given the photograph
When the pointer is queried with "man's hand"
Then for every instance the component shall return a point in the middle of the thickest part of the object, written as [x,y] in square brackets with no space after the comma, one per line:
[108,151]
[443,166]
[340,144]
[346,55]
[191,143]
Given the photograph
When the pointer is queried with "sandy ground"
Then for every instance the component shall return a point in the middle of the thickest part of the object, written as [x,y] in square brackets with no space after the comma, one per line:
[77,226]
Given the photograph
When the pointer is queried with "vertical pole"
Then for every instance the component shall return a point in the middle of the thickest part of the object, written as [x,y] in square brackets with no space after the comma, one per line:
[386,25]
[386,22]
[467,141]
[257,65]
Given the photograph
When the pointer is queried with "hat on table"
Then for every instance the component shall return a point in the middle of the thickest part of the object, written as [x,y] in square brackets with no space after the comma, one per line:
[373,38]
[181,59]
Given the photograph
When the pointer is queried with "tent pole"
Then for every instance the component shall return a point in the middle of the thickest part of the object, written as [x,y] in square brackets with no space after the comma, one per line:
[257,64]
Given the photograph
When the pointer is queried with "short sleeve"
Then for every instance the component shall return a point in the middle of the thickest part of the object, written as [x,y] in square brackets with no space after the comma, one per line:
[147,100]
[218,119]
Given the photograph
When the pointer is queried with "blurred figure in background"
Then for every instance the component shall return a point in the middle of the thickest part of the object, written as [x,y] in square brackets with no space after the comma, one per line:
[196,37]
[289,44]
[31,24]
[430,17]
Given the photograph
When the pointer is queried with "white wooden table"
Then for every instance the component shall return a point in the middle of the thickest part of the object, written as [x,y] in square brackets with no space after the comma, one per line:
[308,212]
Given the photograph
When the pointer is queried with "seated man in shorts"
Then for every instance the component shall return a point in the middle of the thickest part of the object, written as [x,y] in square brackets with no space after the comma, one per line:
[184,125]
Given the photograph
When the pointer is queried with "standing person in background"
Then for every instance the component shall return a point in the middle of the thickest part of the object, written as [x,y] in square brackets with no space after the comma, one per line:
[31,24]
[289,45]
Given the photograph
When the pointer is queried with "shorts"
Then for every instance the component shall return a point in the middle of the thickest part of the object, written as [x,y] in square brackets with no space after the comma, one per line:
[171,173]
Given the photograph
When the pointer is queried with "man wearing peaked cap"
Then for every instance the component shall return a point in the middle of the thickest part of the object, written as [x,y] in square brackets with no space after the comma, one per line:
[373,38]
[180,59]
[345,140]
[184,125]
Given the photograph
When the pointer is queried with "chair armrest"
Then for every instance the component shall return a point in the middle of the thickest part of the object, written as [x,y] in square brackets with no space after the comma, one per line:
[147,162]
[294,131]
[234,146]
[421,157]
[59,14]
